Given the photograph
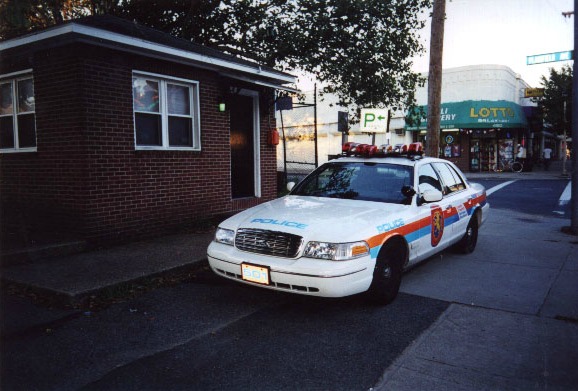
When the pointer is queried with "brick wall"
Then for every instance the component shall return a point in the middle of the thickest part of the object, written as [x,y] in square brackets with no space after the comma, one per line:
[87,175]
[45,187]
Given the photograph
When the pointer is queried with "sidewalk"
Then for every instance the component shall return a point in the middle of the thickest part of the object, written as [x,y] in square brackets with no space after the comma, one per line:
[538,172]
[71,279]
[513,321]
[71,274]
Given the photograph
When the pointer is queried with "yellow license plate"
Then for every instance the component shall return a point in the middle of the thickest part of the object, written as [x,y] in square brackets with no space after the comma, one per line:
[254,273]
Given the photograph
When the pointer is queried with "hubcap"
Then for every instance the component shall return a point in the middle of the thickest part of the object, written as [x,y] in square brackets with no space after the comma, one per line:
[387,271]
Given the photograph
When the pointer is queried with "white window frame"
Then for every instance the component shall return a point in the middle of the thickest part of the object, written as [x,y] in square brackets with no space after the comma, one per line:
[194,102]
[13,79]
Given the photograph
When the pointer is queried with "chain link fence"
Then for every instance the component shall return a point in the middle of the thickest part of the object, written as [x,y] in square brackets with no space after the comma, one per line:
[297,151]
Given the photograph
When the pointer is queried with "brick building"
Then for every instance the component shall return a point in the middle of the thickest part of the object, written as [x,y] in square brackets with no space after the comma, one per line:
[114,131]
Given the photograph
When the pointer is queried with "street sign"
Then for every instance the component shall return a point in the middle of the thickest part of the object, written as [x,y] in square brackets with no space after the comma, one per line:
[533,92]
[373,120]
[550,57]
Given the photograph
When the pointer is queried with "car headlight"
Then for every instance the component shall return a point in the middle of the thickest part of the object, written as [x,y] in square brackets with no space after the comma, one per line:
[336,251]
[225,236]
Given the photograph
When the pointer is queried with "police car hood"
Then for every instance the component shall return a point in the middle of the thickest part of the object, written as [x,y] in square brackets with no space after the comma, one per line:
[324,219]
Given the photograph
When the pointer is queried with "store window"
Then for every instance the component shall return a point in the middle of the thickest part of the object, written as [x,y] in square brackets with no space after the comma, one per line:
[17,114]
[166,112]
[450,144]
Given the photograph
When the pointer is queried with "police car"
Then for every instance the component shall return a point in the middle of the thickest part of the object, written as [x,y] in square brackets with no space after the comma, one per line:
[353,225]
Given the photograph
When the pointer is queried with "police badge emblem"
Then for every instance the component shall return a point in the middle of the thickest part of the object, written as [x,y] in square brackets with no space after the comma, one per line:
[437,225]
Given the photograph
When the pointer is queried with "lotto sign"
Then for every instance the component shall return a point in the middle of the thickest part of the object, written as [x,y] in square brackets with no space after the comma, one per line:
[374,120]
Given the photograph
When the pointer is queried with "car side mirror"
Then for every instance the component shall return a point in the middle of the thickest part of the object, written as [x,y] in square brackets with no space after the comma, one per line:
[290,186]
[408,191]
[432,195]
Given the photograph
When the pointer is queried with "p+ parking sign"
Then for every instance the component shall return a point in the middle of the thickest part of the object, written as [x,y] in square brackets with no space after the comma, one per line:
[373,120]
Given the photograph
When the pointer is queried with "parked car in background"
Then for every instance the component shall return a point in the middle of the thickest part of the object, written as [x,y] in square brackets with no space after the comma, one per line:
[353,226]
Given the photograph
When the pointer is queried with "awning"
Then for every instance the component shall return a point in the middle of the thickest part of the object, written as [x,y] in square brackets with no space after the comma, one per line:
[473,114]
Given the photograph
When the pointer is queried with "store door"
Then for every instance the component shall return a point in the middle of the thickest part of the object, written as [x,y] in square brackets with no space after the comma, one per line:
[242,136]
[482,154]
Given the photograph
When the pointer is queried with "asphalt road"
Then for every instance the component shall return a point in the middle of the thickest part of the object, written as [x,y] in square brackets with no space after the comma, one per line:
[535,197]
[213,334]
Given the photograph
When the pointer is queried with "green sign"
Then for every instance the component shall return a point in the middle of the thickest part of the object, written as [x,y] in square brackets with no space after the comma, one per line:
[550,57]
[473,114]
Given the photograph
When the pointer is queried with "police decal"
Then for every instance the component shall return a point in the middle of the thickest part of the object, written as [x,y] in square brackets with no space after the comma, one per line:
[462,211]
[437,225]
[390,225]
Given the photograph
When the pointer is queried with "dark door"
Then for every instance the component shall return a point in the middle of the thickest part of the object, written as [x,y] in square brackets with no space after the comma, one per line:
[242,147]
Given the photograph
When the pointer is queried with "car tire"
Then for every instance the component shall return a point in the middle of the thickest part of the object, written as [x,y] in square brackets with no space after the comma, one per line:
[387,275]
[469,241]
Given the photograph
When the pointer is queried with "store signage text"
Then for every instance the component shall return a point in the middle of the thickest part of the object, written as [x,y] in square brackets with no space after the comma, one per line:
[533,92]
[445,116]
[495,112]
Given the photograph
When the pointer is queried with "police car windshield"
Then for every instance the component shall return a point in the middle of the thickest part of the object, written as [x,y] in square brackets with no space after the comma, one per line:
[380,182]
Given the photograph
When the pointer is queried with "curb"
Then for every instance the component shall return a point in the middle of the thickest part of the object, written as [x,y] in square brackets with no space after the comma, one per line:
[104,296]
[46,252]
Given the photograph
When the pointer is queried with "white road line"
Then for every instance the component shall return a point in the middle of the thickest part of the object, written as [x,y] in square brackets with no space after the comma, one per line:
[565,197]
[498,187]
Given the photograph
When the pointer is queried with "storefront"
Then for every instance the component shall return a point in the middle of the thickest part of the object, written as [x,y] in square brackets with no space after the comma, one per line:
[476,134]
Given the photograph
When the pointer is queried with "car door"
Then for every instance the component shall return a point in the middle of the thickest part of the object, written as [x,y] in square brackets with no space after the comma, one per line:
[456,198]
[433,235]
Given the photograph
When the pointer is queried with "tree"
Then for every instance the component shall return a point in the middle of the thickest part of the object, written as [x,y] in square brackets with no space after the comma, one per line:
[18,17]
[360,50]
[556,104]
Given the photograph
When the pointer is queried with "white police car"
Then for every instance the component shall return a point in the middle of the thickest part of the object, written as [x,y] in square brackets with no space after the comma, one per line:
[351,226]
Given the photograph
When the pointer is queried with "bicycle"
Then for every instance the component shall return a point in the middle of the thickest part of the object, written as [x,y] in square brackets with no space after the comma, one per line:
[510,164]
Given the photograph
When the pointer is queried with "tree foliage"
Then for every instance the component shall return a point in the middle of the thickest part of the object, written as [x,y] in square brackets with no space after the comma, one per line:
[557,91]
[360,50]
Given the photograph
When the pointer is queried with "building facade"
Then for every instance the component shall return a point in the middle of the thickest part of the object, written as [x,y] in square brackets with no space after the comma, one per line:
[484,116]
[114,131]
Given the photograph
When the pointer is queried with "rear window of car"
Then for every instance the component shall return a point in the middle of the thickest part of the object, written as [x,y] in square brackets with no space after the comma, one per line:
[381,182]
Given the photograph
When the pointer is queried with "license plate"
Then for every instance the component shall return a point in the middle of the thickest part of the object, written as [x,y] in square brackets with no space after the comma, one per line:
[254,273]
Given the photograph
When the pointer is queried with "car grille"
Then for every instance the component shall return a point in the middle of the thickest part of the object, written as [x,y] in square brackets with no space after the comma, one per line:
[279,244]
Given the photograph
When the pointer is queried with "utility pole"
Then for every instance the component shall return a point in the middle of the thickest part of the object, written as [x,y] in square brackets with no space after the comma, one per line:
[434,95]
[574,198]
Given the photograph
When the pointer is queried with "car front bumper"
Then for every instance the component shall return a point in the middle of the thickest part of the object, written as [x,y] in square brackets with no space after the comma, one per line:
[302,275]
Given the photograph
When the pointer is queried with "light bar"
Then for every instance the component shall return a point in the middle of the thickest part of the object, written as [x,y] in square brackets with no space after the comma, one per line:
[384,150]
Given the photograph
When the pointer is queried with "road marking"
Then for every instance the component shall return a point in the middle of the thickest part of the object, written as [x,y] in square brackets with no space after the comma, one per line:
[565,197]
[498,187]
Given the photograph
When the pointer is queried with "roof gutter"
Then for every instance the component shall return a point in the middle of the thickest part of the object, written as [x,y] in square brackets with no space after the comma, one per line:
[105,35]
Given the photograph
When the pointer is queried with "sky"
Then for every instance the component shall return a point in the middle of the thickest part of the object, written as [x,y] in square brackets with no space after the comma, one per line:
[502,32]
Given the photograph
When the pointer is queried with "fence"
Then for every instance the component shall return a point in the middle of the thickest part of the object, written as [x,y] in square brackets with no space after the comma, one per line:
[297,154]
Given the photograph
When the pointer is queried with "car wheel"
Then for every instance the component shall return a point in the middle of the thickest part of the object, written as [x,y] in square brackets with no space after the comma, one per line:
[387,275]
[468,243]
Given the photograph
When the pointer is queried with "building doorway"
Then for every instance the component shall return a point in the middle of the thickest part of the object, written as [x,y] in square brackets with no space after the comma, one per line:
[244,145]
